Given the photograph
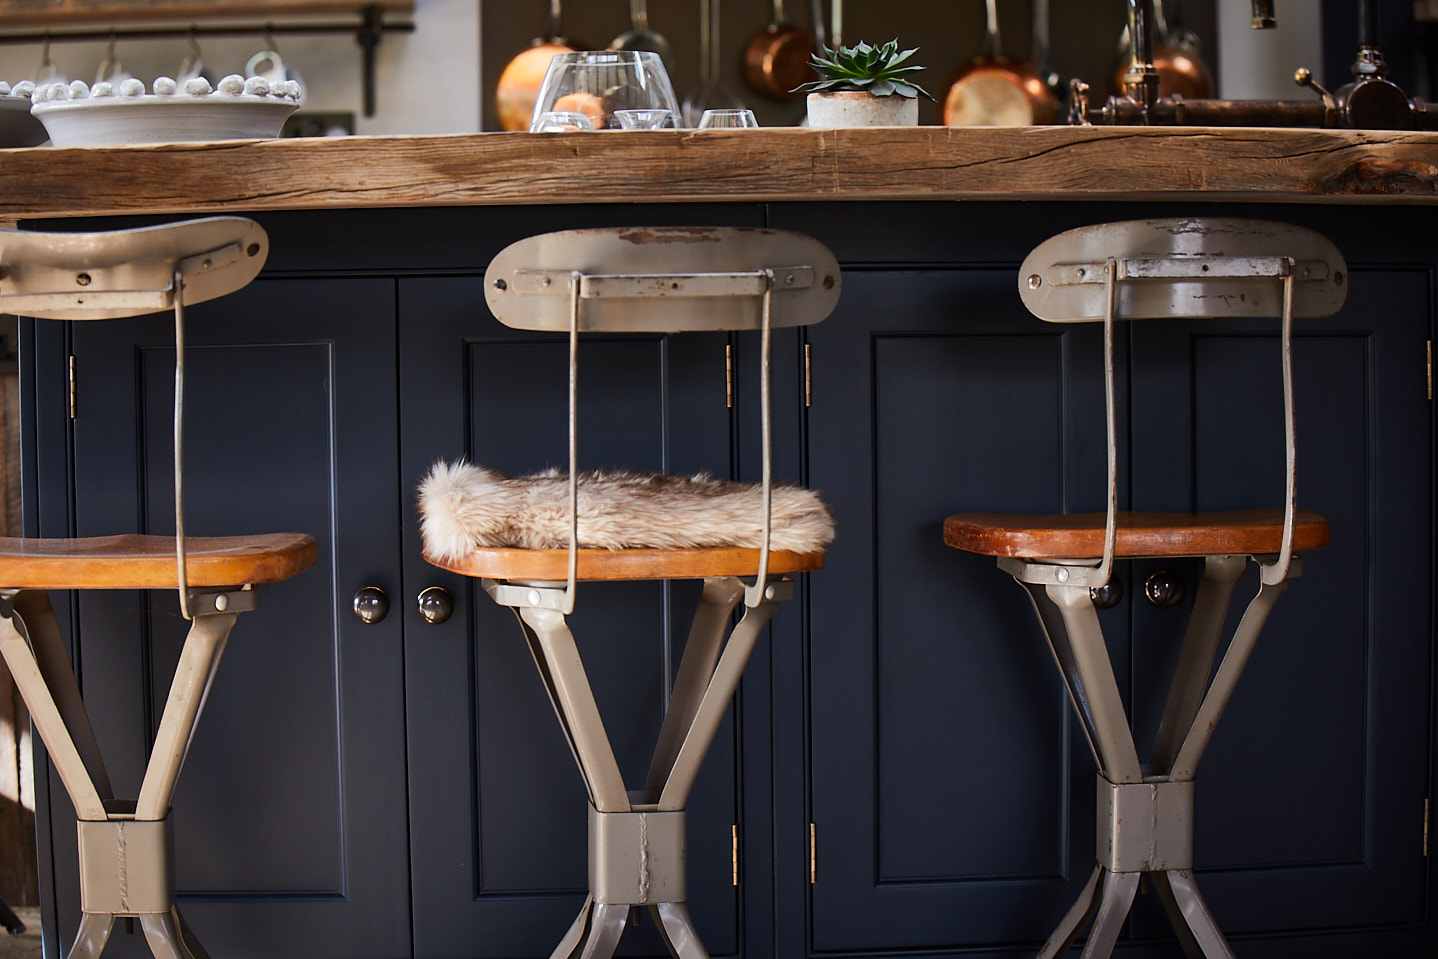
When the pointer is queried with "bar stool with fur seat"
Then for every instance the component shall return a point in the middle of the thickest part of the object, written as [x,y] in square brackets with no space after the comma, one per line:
[1154,269]
[530,540]
[126,847]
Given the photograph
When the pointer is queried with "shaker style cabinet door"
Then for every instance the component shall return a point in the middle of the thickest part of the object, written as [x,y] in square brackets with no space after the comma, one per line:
[290,812]
[1310,799]
[951,793]
[499,812]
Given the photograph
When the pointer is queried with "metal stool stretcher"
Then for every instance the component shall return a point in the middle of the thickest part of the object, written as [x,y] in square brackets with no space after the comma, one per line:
[694,279]
[126,847]
[1202,268]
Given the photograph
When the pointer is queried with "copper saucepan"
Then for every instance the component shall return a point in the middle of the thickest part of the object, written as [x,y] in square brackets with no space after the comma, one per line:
[996,90]
[519,84]
[776,59]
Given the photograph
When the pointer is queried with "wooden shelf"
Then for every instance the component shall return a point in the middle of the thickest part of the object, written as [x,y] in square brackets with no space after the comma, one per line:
[1188,164]
[78,13]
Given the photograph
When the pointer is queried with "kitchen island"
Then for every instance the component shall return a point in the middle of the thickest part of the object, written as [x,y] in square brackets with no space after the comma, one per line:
[900,775]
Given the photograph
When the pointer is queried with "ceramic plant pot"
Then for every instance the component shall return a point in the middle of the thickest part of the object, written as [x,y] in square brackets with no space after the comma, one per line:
[849,108]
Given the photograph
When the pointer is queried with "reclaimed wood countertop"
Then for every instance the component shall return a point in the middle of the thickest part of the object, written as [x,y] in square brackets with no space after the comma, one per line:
[771,164]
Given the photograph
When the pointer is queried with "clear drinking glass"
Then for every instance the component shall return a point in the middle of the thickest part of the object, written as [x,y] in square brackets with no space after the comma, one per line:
[727,119]
[560,121]
[646,119]
[597,83]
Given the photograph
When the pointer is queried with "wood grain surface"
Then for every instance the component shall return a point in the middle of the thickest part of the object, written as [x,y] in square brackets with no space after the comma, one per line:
[1080,535]
[148,562]
[625,564]
[770,164]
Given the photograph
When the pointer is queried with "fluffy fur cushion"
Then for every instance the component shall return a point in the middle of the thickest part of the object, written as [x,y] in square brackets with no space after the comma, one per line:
[465,506]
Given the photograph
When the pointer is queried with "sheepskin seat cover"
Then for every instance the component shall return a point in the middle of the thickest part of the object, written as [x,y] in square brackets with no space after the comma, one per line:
[465,507]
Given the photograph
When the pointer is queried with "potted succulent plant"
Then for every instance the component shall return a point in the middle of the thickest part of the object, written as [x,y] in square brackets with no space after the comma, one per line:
[863,85]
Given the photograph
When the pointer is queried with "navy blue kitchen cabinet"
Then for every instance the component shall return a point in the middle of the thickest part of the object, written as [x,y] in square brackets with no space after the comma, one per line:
[901,772]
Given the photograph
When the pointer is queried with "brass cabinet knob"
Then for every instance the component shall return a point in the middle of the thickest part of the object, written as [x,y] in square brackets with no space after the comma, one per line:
[435,606]
[371,605]
[1163,588]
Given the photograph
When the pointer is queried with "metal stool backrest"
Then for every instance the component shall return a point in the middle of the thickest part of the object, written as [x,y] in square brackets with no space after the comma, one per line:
[1197,268]
[664,280]
[97,276]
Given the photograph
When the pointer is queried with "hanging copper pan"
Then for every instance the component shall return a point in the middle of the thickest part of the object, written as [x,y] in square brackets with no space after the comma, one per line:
[996,90]
[1177,56]
[519,84]
[776,59]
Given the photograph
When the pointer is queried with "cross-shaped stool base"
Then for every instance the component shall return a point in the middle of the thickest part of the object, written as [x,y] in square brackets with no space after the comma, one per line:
[126,848]
[1145,820]
[636,840]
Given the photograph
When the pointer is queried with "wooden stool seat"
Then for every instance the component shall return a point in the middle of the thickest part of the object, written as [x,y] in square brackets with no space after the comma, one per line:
[134,561]
[624,564]
[1080,535]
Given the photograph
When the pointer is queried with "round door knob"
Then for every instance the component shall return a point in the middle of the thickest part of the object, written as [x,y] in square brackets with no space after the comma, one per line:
[1107,596]
[371,605]
[435,606]
[1163,589]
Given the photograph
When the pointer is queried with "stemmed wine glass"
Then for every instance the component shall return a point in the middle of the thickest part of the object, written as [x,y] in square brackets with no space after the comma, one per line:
[597,83]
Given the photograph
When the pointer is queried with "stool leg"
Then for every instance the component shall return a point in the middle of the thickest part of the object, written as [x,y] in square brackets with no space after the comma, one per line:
[604,931]
[1197,932]
[569,689]
[1079,913]
[576,932]
[1240,647]
[1119,889]
[696,669]
[1076,640]
[35,653]
[169,937]
[1195,656]
[194,674]
[678,930]
[92,935]
[715,696]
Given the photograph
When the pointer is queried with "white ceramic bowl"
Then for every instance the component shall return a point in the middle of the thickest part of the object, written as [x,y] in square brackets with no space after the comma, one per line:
[118,120]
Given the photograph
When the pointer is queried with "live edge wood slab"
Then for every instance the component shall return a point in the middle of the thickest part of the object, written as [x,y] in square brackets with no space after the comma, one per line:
[771,164]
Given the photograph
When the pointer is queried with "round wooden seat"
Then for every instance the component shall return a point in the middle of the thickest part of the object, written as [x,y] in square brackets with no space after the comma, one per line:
[1080,535]
[135,561]
[622,564]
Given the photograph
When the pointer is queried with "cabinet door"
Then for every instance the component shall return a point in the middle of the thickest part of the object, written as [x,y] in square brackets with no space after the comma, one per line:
[951,794]
[289,817]
[498,833]
[1310,800]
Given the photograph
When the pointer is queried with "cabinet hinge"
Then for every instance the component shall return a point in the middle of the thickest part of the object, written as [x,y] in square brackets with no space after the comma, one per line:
[1425,827]
[729,376]
[734,846]
[808,375]
[72,386]
[813,856]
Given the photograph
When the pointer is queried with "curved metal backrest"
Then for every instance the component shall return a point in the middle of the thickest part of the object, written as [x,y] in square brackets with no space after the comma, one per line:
[664,280]
[96,276]
[1202,267]
[1198,268]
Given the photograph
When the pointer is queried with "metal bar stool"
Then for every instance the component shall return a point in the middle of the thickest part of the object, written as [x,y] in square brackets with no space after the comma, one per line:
[126,847]
[657,280]
[1152,269]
